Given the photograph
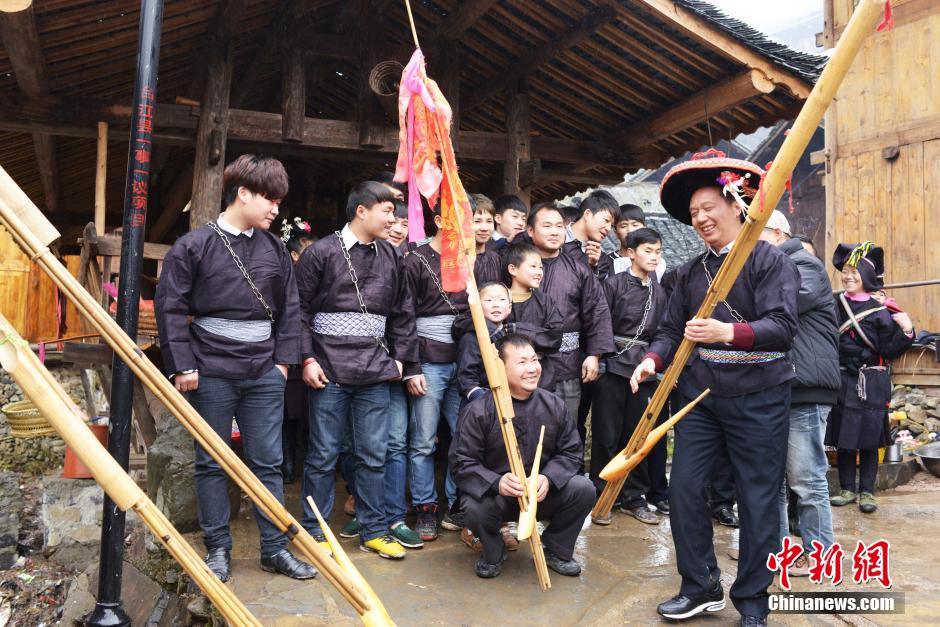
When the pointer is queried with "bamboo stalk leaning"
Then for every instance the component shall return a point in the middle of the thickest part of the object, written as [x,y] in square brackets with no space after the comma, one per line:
[862,23]
[39,386]
[24,226]
[527,518]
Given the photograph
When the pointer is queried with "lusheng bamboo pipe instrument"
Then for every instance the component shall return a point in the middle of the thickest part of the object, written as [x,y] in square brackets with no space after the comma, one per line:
[527,518]
[45,392]
[33,233]
[377,616]
[771,189]
[621,465]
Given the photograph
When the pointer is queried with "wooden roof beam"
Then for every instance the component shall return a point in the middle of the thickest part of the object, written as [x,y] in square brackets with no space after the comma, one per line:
[21,41]
[462,19]
[724,44]
[542,54]
[715,99]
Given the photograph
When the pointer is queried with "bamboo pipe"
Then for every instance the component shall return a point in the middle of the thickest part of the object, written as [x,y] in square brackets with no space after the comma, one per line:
[527,519]
[771,189]
[492,364]
[377,616]
[38,384]
[162,389]
[101,172]
[621,465]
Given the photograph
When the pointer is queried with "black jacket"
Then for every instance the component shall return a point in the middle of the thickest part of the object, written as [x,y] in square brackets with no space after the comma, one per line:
[815,352]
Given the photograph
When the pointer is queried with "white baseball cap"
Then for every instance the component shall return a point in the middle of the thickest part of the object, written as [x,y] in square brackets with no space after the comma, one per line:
[778,221]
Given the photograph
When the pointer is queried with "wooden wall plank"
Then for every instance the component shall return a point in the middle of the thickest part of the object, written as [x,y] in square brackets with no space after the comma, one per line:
[930,318]
[906,254]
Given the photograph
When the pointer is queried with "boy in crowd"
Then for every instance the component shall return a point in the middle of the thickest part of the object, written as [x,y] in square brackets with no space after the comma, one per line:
[236,280]
[637,304]
[631,218]
[510,218]
[434,392]
[358,335]
[487,265]
[398,232]
[572,287]
[598,212]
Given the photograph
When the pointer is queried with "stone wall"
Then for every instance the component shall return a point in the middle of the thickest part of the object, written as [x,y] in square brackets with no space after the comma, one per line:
[918,411]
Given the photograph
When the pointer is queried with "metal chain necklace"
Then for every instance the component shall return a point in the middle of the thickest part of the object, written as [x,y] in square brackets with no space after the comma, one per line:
[244,271]
[379,338]
[440,288]
[646,312]
[708,277]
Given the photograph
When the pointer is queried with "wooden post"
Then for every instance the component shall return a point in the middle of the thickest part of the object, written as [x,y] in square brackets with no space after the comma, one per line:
[450,63]
[293,80]
[371,38]
[211,134]
[101,172]
[518,138]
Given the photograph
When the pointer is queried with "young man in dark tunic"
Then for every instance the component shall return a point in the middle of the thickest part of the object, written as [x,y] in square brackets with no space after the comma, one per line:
[490,490]
[742,359]
[599,212]
[233,359]
[486,268]
[510,217]
[435,392]
[572,287]
[358,334]
[637,303]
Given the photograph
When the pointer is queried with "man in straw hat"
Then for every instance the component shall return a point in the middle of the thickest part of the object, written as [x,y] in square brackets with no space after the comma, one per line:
[741,357]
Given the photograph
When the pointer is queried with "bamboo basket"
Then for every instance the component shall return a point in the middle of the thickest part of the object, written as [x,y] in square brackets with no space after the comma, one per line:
[26,421]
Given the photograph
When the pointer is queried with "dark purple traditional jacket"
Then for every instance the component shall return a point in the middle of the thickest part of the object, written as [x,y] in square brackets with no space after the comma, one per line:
[604,267]
[764,295]
[200,278]
[571,286]
[478,456]
[325,286]
[426,296]
[627,297]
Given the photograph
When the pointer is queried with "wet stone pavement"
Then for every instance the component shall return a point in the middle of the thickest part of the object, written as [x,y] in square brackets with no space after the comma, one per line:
[629,567]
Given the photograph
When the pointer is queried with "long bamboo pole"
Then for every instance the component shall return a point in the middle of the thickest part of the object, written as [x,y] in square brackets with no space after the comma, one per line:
[47,394]
[771,189]
[101,172]
[37,249]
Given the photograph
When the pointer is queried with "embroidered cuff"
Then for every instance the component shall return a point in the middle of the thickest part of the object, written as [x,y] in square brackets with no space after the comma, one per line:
[743,336]
[660,366]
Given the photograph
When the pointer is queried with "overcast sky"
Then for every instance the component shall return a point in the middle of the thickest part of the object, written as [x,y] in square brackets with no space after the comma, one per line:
[766,16]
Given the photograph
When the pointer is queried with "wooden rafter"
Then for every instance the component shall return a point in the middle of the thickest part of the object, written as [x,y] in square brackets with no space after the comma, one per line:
[708,102]
[724,44]
[21,41]
[542,54]
[463,18]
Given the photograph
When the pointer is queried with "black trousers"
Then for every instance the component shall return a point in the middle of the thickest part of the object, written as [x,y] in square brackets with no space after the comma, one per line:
[617,411]
[867,469]
[566,508]
[753,428]
[721,487]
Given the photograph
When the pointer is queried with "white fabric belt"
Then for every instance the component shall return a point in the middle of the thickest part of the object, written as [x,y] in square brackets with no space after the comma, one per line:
[240,330]
[628,342]
[349,323]
[570,342]
[437,328]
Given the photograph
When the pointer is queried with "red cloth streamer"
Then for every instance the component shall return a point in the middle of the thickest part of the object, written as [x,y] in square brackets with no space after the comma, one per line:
[425,119]
[888,22]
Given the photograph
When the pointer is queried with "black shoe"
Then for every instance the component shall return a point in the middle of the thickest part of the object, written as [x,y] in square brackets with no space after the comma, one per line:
[219,562]
[680,607]
[725,516]
[453,520]
[568,568]
[485,570]
[662,507]
[284,563]
[753,621]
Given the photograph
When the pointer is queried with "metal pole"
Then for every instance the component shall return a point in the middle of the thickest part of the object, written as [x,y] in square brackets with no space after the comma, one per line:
[108,610]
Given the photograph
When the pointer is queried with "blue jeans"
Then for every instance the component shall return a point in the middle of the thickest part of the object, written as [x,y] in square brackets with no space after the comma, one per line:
[443,397]
[258,407]
[396,459]
[806,474]
[329,415]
